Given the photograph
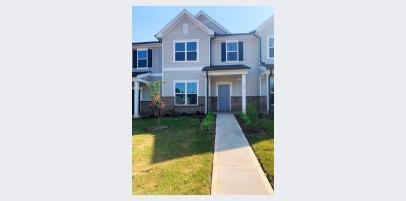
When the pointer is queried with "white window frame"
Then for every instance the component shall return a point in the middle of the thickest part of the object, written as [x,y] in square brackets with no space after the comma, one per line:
[269,47]
[185,82]
[238,50]
[185,42]
[138,58]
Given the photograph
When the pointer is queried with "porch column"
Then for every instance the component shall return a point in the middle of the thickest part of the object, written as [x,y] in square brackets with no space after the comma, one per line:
[243,87]
[267,93]
[136,98]
[209,93]
[205,93]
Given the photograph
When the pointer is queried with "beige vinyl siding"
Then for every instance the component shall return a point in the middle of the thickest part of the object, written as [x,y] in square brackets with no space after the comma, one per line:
[194,33]
[235,84]
[251,59]
[267,31]
[170,76]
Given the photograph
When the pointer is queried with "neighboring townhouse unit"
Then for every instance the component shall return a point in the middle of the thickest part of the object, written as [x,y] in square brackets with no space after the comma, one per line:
[204,67]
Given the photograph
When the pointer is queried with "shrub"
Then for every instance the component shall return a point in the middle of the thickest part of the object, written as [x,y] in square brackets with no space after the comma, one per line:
[207,123]
[245,118]
[253,115]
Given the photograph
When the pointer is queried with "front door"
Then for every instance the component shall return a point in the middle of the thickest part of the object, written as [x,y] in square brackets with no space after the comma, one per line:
[223,97]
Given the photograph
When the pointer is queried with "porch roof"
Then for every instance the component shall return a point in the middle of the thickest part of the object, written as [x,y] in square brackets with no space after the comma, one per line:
[135,74]
[225,67]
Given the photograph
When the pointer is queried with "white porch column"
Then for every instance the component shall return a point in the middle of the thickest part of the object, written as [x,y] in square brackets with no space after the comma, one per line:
[267,93]
[243,87]
[136,98]
[205,93]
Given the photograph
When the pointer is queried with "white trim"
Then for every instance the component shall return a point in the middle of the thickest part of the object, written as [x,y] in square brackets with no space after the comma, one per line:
[162,69]
[244,93]
[212,20]
[183,69]
[186,81]
[136,99]
[205,93]
[187,14]
[138,58]
[260,85]
[156,74]
[229,72]
[238,50]
[143,75]
[217,92]
[267,94]
[185,41]
[267,42]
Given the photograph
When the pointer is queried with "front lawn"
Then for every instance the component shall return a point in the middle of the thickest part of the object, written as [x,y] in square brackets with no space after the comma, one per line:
[174,161]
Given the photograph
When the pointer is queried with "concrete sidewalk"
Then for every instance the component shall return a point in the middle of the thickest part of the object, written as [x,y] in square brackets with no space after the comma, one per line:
[236,170]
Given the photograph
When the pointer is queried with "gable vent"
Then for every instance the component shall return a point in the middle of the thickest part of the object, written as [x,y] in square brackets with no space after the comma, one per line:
[185,29]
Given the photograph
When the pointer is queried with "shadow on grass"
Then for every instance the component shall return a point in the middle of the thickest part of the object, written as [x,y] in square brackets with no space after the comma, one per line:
[181,139]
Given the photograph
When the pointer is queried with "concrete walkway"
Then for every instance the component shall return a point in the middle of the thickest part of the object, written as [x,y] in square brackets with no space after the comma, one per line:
[236,170]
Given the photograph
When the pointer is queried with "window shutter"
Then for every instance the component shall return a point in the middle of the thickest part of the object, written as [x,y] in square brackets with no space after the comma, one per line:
[149,58]
[240,51]
[223,51]
[134,58]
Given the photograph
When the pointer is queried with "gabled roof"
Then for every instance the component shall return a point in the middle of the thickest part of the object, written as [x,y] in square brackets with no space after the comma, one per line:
[217,25]
[180,16]
[265,23]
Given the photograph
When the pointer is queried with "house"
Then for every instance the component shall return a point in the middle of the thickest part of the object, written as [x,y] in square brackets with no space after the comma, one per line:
[204,67]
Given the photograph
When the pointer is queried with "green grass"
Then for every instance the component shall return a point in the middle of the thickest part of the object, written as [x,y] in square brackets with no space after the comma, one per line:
[263,146]
[174,161]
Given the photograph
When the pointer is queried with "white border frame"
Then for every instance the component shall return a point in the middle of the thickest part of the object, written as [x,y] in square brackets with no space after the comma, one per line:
[217,92]
[185,81]
[185,41]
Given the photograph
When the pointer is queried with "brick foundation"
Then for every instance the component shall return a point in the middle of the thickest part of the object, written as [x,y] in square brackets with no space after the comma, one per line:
[170,108]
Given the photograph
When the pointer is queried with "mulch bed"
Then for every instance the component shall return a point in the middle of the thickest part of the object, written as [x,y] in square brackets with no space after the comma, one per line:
[249,130]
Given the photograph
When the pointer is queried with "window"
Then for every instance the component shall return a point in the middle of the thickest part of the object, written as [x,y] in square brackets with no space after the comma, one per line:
[186,51]
[186,93]
[142,58]
[232,51]
[270,47]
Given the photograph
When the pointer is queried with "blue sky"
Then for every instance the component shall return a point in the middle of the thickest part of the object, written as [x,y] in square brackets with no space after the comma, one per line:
[149,20]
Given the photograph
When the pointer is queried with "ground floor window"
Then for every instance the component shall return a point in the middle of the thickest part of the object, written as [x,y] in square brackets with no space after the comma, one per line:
[186,92]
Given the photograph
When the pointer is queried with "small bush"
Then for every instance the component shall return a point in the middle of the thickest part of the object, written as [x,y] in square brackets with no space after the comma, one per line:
[253,115]
[207,123]
[245,118]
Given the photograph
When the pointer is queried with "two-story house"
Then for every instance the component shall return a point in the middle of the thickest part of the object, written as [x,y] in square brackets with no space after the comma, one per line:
[204,67]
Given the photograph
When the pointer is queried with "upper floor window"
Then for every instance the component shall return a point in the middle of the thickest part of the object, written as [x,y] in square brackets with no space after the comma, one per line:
[186,51]
[270,47]
[142,58]
[232,51]
[186,92]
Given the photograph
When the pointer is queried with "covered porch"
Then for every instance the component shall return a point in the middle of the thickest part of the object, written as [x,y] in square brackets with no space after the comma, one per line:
[139,81]
[266,85]
[226,88]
